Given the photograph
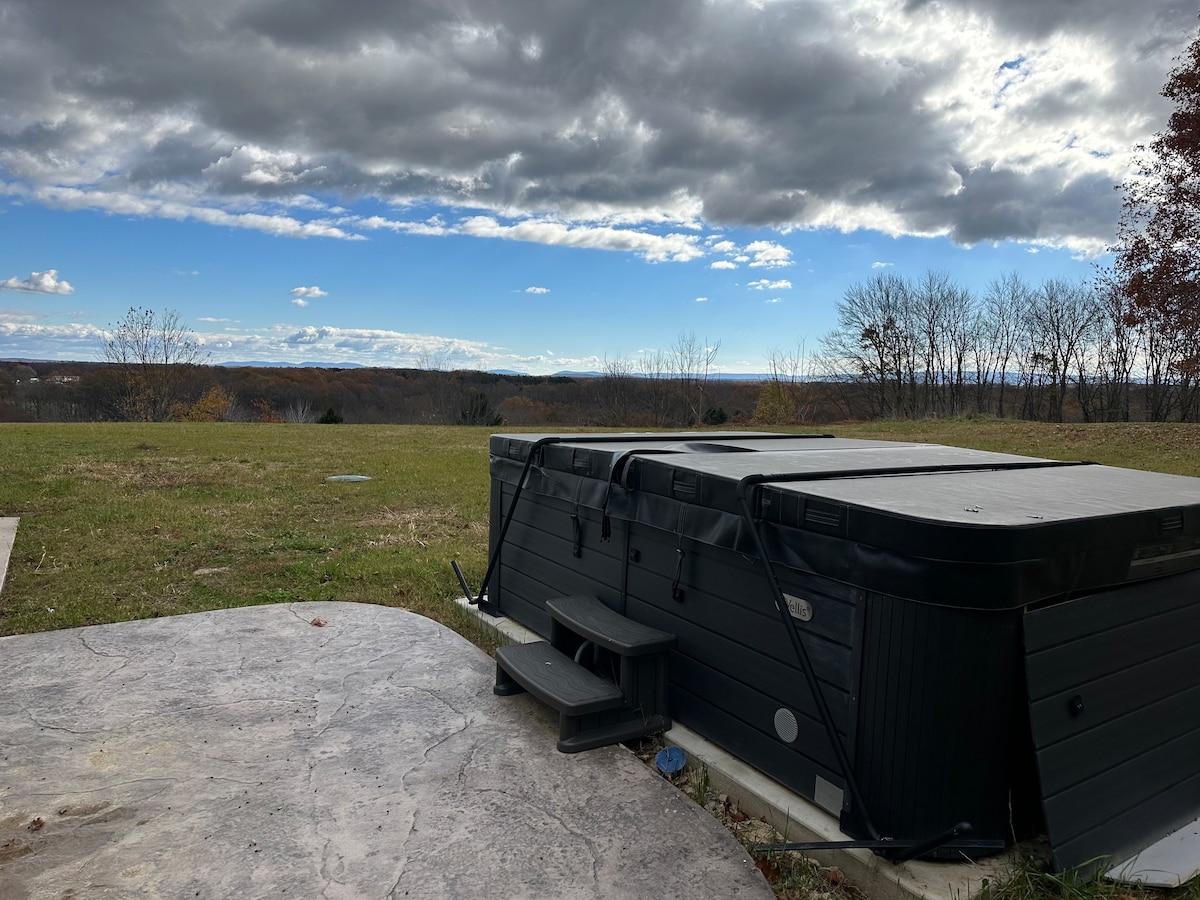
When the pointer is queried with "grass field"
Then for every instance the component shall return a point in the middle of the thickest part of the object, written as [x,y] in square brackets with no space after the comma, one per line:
[127,521]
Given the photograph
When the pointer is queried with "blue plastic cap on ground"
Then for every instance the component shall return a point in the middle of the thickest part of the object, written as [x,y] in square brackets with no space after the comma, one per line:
[670,760]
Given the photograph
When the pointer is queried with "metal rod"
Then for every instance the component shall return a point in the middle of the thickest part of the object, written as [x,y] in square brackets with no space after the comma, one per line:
[461,580]
[512,507]
[810,677]
[910,849]
[934,842]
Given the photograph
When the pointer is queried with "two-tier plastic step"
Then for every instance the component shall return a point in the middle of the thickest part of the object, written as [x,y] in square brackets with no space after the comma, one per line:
[606,675]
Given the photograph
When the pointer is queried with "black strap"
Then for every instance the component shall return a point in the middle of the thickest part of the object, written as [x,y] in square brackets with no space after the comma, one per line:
[677,593]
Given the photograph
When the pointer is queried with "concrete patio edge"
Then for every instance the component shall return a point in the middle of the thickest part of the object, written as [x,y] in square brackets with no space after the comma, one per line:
[8,534]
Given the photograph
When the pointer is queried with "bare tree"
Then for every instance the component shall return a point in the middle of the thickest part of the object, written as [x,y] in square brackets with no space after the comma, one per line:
[1060,323]
[943,316]
[654,368]
[1006,306]
[1170,384]
[928,300]
[874,344]
[299,412]
[692,360]
[617,387]
[154,353]
[786,393]
[961,324]
[1104,370]
[432,360]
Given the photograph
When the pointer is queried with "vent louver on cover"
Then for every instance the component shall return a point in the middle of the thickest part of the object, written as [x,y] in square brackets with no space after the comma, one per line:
[822,517]
[1170,520]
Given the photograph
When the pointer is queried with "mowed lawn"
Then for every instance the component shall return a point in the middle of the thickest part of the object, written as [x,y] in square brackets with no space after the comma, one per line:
[124,521]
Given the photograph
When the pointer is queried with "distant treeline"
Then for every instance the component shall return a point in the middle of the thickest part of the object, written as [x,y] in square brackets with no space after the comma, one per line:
[77,391]
[1056,352]
[83,392]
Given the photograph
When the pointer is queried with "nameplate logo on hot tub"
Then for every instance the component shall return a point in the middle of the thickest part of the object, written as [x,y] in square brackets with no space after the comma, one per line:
[800,609]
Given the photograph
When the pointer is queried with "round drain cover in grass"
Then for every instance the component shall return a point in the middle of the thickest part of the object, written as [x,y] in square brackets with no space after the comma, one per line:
[348,478]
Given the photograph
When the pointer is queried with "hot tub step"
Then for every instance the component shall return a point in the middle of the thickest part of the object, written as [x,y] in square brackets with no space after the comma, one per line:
[555,679]
[593,711]
[591,619]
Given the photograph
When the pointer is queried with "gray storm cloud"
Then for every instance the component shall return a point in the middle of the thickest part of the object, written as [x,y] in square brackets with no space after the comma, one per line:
[909,118]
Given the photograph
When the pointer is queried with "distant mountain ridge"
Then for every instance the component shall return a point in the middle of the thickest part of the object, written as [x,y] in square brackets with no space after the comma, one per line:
[317,364]
[712,376]
[289,365]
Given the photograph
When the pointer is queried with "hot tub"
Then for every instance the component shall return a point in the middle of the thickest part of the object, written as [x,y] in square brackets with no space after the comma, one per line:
[971,636]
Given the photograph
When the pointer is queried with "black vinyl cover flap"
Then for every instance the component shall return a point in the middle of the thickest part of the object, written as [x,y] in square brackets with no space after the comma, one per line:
[941,524]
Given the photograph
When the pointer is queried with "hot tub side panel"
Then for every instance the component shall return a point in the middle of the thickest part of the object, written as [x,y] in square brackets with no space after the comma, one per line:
[735,677]
[553,549]
[1114,691]
[940,719]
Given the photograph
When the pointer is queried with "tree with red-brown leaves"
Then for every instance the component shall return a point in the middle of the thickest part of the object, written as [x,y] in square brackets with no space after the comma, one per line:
[1157,265]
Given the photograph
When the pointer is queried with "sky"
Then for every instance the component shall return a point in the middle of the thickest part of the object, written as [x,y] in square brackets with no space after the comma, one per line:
[550,185]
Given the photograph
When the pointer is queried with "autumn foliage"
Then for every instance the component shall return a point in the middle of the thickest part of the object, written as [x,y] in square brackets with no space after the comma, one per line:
[216,405]
[1157,265]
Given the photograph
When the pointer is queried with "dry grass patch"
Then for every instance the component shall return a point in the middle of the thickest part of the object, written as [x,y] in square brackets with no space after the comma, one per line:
[159,472]
[420,527]
[129,474]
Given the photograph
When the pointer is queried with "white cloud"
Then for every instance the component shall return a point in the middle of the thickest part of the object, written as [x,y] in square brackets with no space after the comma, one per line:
[150,206]
[22,338]
[311,335]
[551,232]
[432,227]
[764,284]
[308,292]
[774,300]
[537,290]
[881,265]
[768,255]
[701,299]
[378,347]
[300,301]
[46,282]
[249,167]
[653,247]
[758,254]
